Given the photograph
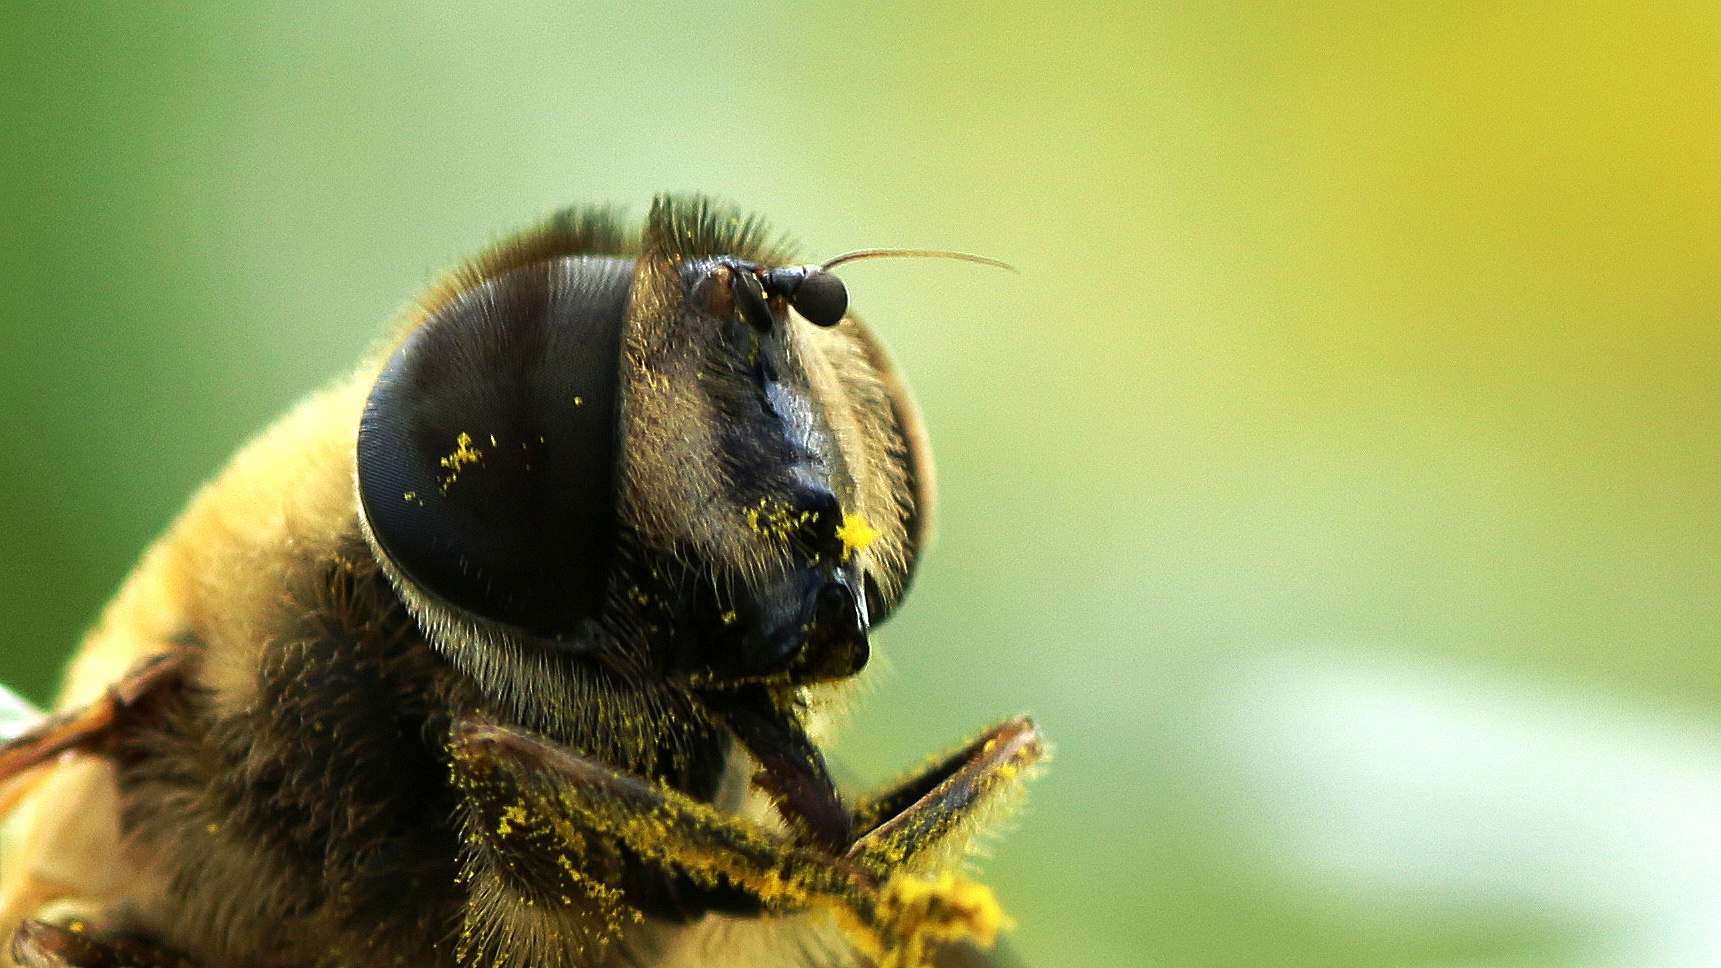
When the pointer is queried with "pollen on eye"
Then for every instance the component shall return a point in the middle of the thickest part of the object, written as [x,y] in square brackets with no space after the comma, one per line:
[462,455]
[855,534]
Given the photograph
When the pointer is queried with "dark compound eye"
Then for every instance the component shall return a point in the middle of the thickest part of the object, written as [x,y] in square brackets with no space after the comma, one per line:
[487,449]
[821,298]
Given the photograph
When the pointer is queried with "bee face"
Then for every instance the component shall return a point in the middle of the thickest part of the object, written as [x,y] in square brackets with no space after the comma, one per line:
[653,461]
[625,502]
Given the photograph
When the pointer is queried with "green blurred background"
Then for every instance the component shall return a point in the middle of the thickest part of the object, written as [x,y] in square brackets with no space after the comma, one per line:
[1337,481]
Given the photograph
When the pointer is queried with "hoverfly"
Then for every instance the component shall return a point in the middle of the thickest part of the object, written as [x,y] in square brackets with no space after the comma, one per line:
[511,649]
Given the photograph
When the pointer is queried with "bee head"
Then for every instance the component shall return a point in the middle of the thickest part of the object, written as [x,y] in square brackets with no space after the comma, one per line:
[673,454]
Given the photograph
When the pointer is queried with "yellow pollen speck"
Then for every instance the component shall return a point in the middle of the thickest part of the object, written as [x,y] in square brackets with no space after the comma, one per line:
[578,401]
[855,534]
[211,828]
[511,816]
[463,454]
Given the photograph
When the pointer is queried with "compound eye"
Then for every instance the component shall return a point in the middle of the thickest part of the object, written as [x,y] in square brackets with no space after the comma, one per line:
[487,448]
[821,299]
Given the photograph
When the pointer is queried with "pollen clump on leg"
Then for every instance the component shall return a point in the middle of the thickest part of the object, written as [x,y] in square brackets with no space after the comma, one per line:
[925,914]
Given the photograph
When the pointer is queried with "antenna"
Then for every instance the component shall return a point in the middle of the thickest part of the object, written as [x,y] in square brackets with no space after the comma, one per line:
[859,254]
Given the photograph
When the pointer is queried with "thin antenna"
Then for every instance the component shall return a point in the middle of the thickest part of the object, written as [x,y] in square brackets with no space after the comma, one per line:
[859,254]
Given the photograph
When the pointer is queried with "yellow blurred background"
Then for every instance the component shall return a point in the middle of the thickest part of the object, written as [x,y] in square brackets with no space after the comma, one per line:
[1337,482]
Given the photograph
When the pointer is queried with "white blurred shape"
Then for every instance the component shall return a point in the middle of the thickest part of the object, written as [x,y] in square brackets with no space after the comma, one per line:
[1420,793]
[17,715]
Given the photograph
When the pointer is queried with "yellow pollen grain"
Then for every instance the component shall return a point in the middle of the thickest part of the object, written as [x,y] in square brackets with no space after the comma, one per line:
[463,454]
[855,534]
[511,816]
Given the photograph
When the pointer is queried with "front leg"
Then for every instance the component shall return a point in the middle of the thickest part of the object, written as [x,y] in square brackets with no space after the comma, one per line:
[76,944]
[550,824]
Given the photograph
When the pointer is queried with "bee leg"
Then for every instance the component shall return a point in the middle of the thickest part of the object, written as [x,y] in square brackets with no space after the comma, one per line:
[39,944]
[592,819]
[930,817]
[89,727]
[927,820]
